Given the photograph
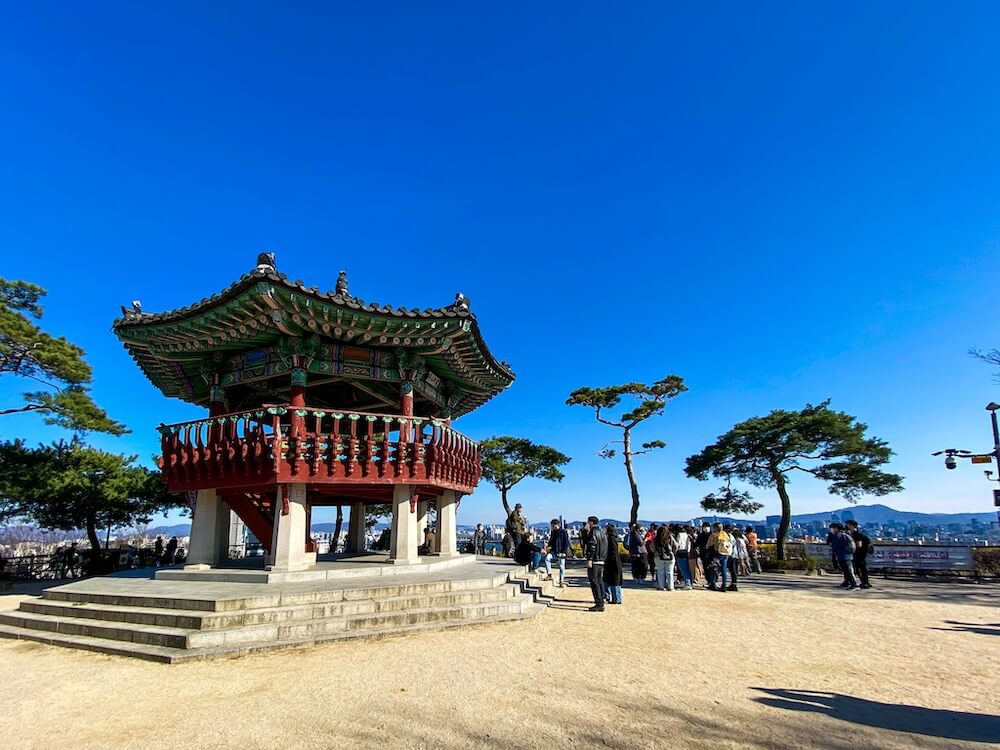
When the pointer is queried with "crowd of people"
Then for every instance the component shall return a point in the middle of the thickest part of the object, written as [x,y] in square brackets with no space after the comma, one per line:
[671,556]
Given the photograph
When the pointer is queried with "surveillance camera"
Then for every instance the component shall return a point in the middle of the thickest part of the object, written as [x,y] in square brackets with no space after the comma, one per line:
[950,462]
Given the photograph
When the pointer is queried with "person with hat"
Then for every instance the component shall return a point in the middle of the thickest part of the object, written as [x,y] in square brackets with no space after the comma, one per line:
[517,525]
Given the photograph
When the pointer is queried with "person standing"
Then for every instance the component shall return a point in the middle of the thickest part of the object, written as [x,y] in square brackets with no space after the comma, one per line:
[171,552]
[559,548]
[72,561]
[479,540]
[692,534]
[683,542]
[650,556]
[158,552]
[751,537]
[517,525]
[829,543]
[664,552]
[613,566]
[843,547]
[704,551]
[863,548]
[721,545]
[596,552]
[738,559]
[636,543]
[508,544]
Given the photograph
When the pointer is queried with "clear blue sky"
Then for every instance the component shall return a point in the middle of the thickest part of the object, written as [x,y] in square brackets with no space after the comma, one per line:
[780,202]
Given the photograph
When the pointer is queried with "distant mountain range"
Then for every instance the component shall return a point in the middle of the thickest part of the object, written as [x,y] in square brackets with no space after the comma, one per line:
[862,514]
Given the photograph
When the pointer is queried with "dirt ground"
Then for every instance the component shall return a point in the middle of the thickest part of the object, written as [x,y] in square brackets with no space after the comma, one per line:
[788,662]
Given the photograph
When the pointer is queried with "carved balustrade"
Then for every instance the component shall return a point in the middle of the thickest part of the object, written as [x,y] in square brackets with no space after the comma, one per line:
[317,446]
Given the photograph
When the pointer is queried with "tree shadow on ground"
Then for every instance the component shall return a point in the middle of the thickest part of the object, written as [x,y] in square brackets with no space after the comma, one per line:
[932,722]
[950,592]
[980,628]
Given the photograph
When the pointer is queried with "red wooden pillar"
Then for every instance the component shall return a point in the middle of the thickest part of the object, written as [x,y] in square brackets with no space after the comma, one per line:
[297,400]
[216,401]
[406,398]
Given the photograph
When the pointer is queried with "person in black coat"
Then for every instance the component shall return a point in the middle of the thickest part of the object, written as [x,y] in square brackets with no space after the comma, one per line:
[613,566]
[863,548]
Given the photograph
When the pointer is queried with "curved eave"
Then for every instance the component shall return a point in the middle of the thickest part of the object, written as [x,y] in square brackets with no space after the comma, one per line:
[466,356]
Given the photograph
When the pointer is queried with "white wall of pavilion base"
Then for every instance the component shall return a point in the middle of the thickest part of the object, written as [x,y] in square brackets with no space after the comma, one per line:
[288,542]
[405,536]
[209,543]
[447,521]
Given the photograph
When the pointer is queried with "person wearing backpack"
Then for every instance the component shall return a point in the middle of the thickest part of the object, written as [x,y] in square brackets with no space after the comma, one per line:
[664,554]
[722,544]
[843,547]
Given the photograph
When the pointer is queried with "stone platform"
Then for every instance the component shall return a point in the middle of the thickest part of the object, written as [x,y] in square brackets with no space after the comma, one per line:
[252,570]
[180,615]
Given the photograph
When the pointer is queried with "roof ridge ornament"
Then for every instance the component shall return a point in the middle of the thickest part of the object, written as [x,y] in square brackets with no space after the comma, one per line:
[461,302]
[341,287]
[135,312]
[265,263]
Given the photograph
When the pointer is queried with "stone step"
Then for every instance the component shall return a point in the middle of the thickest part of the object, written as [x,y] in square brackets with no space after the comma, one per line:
[186,630]
[448,598]
[171,600]
[205,620]
[177,621]
[196,619]
[78,626]
[86,643]
[167,637]
[173,656]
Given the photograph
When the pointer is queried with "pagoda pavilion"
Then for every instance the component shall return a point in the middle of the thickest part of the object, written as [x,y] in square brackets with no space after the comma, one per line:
[315,399]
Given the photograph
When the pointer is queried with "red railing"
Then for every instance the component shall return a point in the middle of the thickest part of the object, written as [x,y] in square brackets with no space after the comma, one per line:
[284,444]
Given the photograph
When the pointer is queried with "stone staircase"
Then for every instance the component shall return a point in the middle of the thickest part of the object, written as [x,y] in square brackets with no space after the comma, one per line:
[176,621]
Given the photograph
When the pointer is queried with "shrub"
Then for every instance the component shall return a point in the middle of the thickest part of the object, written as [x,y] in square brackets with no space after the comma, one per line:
[987,560]
[783,565]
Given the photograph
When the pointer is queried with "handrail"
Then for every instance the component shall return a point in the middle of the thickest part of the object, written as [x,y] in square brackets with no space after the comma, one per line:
[284,443]
[270,410]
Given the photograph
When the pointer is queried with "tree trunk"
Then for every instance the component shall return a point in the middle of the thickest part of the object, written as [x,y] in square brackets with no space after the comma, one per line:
[503,499]
[786,511]
[95,541]
[634,518]
[339,525]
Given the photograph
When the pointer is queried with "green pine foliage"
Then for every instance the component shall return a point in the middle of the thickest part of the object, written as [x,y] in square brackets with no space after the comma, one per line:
[649,400]
[28,352]
[828,445]
[69,485]
[507,460]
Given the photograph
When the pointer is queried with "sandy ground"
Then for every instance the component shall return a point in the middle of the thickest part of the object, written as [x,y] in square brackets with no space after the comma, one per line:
[788,662]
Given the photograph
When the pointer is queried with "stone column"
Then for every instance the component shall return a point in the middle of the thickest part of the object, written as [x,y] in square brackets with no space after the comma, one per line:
[209,542]
[356,528]
[447,520]
[405,538]
[288,549]
[423,517]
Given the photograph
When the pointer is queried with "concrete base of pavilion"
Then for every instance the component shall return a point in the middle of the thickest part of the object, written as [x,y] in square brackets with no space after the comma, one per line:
[180,615]
[327,567]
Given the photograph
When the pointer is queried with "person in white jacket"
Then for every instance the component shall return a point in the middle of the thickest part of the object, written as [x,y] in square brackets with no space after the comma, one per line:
[683,542]
[740,556]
